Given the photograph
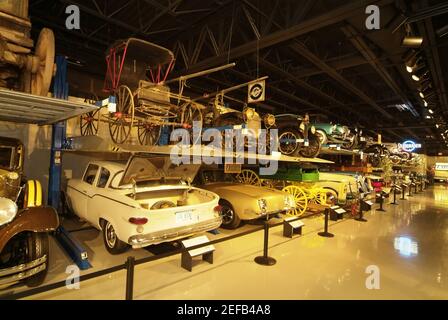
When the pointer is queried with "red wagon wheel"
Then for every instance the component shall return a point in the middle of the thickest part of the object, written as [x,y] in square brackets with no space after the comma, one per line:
[90,120]
[192,112]
[148,133]
[121,121]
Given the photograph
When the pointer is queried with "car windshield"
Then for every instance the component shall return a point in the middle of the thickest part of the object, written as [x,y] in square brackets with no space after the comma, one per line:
[6,157]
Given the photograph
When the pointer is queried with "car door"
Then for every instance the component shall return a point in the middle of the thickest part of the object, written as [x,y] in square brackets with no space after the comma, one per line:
[87,190]
[94,191]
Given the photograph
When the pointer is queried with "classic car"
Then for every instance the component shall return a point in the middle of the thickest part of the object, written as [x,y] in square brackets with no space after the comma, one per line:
[296,136]
[341,187]
[329,133]
[249,121]
[243,201]
[24,222]
[148,200]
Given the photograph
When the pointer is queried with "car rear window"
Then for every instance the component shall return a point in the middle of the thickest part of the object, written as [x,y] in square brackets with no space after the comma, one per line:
[90,174]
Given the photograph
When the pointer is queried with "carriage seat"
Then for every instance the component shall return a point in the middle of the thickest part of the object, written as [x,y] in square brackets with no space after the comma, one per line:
[149,92]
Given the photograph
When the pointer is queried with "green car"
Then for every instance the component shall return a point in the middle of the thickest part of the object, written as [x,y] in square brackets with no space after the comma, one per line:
[329,133]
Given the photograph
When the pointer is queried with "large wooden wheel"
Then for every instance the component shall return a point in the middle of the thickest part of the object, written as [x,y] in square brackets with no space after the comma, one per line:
[248,177]
[300,199]
[89,121]
[192,114]
[148,133]
[121,121]
[44,53]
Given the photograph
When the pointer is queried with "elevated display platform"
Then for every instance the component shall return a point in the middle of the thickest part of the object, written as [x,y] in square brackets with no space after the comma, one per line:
[27,108]
[336,150]
[95,144]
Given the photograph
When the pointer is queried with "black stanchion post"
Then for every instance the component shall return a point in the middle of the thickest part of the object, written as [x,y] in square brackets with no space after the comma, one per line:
[130,263]
[415,191]
[403,190]
[265,260]
[325,233]
[381,202]
[410,190]
[360,218]
[394,189]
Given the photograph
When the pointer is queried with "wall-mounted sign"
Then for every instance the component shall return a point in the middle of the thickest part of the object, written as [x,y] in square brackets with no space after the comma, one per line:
[256,92]
[441,166]
[409,146]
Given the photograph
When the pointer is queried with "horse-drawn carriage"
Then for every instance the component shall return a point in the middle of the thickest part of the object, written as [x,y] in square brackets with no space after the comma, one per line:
[144,105]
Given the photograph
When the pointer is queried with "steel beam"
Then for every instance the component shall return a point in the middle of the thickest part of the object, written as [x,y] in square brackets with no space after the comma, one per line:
[329,18]
[302,50]
[359,43]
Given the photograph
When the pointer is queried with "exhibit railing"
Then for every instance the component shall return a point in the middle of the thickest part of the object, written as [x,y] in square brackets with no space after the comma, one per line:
[131,262]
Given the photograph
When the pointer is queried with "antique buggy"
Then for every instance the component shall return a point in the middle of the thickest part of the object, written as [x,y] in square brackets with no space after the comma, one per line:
[142,105]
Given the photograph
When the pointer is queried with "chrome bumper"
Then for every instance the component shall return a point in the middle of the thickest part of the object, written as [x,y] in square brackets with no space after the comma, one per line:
[15,274]
[140,241]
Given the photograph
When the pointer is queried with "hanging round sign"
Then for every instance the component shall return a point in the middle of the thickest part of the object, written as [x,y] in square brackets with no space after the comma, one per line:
[409,146]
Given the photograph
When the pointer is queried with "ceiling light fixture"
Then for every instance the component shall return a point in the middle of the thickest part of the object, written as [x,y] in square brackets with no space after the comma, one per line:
[428,117]
[425,103]
[420,75]
[413,42]
[430,111]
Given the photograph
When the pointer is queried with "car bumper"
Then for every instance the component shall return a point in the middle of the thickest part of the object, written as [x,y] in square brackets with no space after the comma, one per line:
[10,276]
[140,241]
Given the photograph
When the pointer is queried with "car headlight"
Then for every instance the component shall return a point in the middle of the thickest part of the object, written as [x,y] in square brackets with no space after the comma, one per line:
[313,129]
[8,210]
[269,120]
[249,113]
[13,176]
[262,204]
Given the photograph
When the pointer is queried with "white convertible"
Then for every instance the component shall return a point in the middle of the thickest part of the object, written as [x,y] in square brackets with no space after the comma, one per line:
[147,201]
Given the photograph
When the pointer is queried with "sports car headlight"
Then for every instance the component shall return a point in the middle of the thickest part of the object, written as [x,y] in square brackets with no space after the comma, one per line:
[269,120]
[262,204]
[249,114]
[302,126]
[313,129]
[8,210]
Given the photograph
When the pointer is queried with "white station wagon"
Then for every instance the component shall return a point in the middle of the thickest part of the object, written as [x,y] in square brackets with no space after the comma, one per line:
[147,201]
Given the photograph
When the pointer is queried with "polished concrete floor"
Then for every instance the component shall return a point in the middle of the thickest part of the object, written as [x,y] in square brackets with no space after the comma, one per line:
[407,246]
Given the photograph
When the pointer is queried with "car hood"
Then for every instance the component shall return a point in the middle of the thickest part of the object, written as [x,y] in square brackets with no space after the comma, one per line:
[242,190]
[146,168]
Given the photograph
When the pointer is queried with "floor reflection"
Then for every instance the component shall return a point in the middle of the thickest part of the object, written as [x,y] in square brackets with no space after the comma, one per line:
[406,246]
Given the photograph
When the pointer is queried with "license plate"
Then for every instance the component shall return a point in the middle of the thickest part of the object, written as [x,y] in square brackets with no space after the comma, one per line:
[184,216]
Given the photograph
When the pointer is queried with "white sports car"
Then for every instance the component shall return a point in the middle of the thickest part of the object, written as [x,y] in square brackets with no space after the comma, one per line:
[147,201]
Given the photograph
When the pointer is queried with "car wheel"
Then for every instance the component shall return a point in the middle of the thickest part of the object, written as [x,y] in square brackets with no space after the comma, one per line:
[350,145]
[322,137]
[37,248]
[313,148]
[111,241]
[287,141]
[230,219]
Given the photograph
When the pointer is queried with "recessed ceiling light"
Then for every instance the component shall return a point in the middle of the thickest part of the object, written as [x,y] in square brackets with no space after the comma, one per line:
[409,69]
[428,117]
[437,126]
[425,103]
[430,111]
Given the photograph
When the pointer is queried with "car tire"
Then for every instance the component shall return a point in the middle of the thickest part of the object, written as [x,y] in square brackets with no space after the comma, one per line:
[313,150]
[111,241]
[37,248]
[322,137]
[230,219]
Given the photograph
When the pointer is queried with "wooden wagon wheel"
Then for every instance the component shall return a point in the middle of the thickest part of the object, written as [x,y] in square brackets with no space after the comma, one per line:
[121,121]
[90,120]
[148,133]
[248,177]
[300,199]
[321,196]
[192,112]
[44,54]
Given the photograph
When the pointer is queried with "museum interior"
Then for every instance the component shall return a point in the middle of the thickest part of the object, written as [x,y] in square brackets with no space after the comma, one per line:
[334,111]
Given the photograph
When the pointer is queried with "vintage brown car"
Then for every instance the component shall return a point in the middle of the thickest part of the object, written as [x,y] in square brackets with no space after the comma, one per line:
[24,222]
